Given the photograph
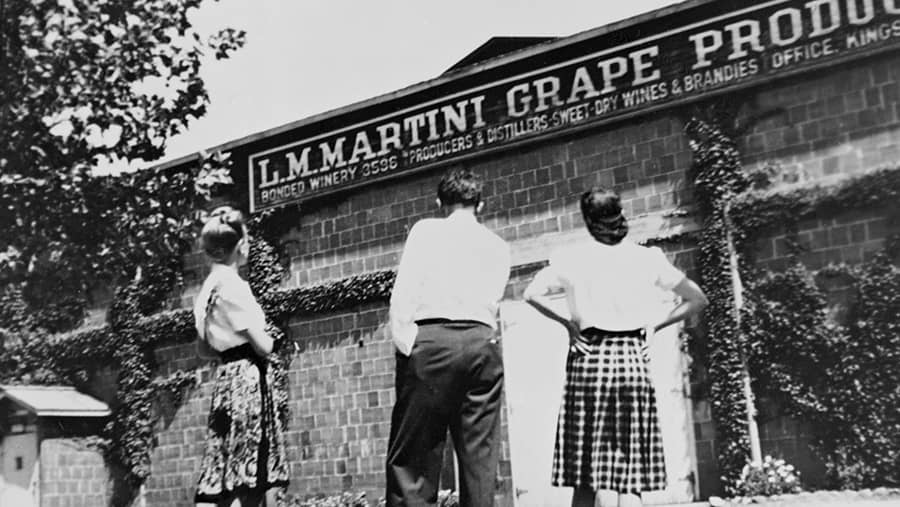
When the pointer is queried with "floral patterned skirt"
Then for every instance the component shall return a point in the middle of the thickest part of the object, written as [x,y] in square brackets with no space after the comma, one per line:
[245,433]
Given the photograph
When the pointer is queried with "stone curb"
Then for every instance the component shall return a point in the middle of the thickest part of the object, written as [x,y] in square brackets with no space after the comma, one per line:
[817,498]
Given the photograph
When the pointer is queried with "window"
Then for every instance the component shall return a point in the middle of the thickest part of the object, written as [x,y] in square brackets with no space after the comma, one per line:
[19,463]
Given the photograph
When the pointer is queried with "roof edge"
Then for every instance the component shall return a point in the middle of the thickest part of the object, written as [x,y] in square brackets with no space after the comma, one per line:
[102,410]
[73,413]
[522,41]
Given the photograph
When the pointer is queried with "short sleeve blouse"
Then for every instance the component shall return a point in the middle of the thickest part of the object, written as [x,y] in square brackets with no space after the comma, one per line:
[610,287]
[224,307]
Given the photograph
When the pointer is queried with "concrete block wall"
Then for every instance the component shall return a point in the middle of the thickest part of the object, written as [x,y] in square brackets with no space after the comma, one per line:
[851,238]
[530,192]
[72,475]
[180,434]
[836,122]
[341,385]
[341,399]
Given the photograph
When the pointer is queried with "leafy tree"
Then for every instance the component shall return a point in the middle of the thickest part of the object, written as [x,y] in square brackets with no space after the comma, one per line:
[86,83]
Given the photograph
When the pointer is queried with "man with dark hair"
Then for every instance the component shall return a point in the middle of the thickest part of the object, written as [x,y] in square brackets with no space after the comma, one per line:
[460,187]
[443,317]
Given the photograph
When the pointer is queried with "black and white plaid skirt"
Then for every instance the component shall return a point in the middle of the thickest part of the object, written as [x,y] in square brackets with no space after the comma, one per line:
[608,431]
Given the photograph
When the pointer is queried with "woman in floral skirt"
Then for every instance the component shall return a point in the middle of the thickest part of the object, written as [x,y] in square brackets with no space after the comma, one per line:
[608,442]
[244,462]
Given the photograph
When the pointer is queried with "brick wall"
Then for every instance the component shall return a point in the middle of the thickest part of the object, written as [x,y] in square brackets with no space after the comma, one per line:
[851,238]
[72,475]
[832,123]
[839,121]
[529,193]
[341,392]
[836,123]
[780,436]
[341,396]
[847,237]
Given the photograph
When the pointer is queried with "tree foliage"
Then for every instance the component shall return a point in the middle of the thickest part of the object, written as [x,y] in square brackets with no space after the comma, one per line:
[87,83]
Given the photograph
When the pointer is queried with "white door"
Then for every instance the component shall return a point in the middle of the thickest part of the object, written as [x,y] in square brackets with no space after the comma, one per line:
[534,355]
[534,360]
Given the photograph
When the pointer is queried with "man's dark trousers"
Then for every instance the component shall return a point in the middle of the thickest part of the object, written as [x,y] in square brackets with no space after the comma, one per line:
[453,378]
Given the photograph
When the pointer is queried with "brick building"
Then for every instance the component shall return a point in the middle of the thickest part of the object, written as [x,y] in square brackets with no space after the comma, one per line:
[541,123]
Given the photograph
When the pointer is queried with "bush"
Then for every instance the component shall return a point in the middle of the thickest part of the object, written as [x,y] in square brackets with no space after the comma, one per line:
[343,500]
[771,477]
[446,498]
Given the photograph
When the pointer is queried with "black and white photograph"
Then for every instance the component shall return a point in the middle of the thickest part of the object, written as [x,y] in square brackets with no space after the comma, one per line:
[496,253]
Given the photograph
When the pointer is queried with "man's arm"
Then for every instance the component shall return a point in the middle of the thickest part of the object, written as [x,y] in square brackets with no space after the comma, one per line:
[406,287]
[502,265]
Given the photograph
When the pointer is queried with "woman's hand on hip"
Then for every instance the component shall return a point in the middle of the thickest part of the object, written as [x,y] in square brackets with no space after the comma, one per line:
[577,342]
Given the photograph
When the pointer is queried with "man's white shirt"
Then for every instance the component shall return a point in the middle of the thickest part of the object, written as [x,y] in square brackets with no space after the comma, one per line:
[451,268]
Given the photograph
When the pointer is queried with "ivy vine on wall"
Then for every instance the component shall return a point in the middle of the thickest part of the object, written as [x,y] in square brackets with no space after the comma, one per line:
[136,327]
[841,375]
[832,359]
[718,177]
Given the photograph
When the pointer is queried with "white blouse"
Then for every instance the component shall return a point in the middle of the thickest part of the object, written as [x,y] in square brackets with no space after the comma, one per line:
[234,309]
[611,287]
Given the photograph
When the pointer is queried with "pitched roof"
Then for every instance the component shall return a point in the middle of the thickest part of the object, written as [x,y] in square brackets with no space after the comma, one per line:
[55,401]
[497,46]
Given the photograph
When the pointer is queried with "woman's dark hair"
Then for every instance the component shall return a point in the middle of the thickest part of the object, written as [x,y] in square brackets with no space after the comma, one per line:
[222,232]
[460,186]
[602,213]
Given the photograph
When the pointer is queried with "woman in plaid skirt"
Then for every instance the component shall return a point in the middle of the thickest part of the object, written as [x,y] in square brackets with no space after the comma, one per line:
[608,442]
